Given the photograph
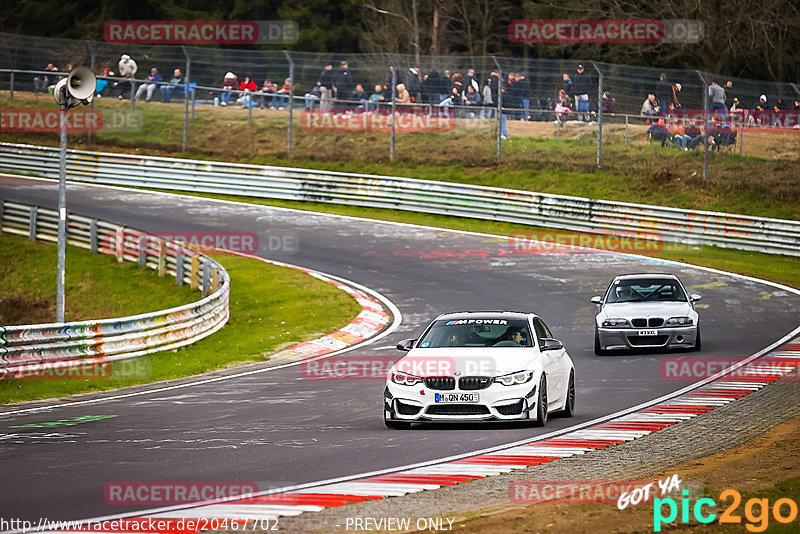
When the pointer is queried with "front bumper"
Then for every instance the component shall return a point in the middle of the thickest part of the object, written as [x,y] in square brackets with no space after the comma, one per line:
[682,337]
[497,403]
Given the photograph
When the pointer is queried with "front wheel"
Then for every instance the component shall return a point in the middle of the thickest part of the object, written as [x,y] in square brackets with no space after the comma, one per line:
[541,406]
[569,404]
[697,343]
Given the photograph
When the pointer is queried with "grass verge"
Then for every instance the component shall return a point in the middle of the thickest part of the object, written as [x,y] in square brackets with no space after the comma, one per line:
[271,307]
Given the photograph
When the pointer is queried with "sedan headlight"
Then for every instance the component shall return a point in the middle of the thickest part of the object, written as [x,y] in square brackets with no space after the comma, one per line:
[679,321]
[615,322]
[404,379]
[514,378]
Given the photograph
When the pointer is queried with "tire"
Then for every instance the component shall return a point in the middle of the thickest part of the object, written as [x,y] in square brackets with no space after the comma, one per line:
[394,424]
[597,350]
[697,342]
[541,403]
[569,404]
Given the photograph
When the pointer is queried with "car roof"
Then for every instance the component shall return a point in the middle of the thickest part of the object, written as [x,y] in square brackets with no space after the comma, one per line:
[645,275]
[486,314]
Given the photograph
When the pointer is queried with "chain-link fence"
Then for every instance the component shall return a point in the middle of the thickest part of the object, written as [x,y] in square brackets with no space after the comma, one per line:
[317,104]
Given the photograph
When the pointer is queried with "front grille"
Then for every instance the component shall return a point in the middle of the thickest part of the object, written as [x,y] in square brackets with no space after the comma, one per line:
[440,383]
[407,409]
[511,409]
[458,409]
[467,383]
[655,321]
[648,340]
[639,323]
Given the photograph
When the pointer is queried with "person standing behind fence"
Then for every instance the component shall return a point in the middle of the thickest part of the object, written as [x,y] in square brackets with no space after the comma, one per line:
[343,83]
[523,90]
[582,85]
[326,84]
[414,86]
[394,77]
[663,92]
[127,69]
[488,102]
[717,95]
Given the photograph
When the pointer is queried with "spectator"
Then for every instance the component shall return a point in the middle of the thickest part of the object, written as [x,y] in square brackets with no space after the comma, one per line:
[402,95]
[246,86]
[650,106]
[414,86]
[375,97]
[663,92]
[268,90]
[151,84]
[469,79]
[311,96]
[717,94]
[229,85]
[778,105]
[394,78]
[676,88]
[608,102]
[568,86]
[657,131]
[487,112]
[523,89]
[457,82]
[359,95]
[342,83]
[102,82]
[582,86]
[797,104]
[472,98]
[43,81]
[728,93]
[127,69]
[431,87]
[563,106]
[283,93]
[510,96]
[762,103]
[326,83]
[174,82]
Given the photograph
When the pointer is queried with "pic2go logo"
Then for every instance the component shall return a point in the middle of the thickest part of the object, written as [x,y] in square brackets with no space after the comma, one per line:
[756,511]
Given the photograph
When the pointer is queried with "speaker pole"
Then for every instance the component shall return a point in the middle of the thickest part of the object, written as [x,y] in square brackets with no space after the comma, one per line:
[62,217]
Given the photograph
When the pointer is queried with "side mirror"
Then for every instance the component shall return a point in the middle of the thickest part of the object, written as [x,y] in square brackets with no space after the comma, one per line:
[406,345]
[552,344]
[597,300]
[694,297]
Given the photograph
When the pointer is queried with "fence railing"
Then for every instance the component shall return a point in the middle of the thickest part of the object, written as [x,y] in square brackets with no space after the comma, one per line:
[762,234]
[30,348]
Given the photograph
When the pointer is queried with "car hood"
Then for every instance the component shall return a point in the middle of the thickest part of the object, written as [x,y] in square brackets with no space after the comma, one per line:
[632,310]
[468,361]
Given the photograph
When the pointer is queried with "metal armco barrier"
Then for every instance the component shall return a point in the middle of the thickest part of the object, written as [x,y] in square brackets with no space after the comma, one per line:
[775,236]
[28,349]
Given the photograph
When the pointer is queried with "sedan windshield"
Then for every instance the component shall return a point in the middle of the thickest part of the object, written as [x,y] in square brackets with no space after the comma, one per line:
[647,289]
[477,333]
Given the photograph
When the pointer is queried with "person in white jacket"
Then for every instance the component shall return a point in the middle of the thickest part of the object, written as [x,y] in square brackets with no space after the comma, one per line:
[127,68]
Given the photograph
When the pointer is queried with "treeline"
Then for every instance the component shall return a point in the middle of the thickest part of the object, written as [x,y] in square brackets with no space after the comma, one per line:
[748,38]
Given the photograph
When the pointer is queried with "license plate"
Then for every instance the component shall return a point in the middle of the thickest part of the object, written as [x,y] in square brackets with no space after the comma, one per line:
[457,397]
[648,332]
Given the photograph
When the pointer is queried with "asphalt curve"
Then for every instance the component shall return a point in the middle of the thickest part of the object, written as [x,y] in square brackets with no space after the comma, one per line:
[278,429]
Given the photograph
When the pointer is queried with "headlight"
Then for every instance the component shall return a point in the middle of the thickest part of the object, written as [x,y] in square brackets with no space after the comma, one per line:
[679,321]
[404,379]
[514,378]
[615,322]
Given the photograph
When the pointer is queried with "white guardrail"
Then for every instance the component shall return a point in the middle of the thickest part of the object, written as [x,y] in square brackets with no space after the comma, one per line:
[30,349]
[775,236]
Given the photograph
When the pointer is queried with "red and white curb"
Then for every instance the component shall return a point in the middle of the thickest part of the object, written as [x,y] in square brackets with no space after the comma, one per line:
[751,375]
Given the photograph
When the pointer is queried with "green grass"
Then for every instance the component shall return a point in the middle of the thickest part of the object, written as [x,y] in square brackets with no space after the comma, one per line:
[271,307]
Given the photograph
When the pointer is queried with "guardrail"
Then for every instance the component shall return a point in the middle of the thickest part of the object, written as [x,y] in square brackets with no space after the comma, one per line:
[29,349]
[775,236]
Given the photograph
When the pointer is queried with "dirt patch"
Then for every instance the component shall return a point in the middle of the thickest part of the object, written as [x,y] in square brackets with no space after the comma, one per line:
[20,309]
[758,465]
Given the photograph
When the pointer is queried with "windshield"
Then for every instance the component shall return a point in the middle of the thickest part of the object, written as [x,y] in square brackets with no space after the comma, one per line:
[649,289]
[477,333]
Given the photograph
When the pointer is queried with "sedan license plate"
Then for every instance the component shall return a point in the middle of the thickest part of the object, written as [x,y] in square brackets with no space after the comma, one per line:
[648,332]
[457,397]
